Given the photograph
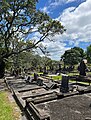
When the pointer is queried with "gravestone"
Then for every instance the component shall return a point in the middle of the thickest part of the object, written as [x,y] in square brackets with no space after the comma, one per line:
[27,79]
[39,82]
[64,84]
[35,76]
[82,68]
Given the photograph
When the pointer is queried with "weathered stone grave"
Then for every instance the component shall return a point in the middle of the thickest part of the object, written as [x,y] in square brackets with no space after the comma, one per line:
[64,84]
[83,79]
[40,103]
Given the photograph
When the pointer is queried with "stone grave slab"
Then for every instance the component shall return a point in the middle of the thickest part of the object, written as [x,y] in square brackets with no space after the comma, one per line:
[50,85]
[37,101]
[44,97]
[29,88]
[36,113]
[32,92]
[71,108]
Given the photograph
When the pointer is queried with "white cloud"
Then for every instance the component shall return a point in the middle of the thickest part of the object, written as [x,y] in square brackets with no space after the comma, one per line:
[53,4]
[55,49]
[77,21]
[70,1]
[45,10]
[56,2]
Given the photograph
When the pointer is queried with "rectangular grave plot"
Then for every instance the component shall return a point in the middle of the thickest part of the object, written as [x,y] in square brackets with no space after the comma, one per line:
[37,114]
[44,98]
[38,94]
[32,87]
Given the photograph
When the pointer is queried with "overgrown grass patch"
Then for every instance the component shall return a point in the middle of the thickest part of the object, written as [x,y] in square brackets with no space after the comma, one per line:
[7,108]
[58,77]
[72,74]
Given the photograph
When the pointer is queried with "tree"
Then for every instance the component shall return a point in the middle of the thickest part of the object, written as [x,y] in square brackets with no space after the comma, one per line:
[23,59]
[19,19]
[35,62]
[89,53]
[73,56]
[81,51]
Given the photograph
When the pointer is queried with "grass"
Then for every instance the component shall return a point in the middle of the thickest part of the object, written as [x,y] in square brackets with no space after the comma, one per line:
[39,73]
[7,108]
[71,74]
[58,77]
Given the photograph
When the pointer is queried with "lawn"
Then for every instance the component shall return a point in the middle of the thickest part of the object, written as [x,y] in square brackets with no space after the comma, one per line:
[7,108]
[58,77]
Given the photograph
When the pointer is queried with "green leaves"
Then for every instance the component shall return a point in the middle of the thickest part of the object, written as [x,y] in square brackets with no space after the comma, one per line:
[5,3]
[89,53]
[73,56]
[19,19]
[52,27]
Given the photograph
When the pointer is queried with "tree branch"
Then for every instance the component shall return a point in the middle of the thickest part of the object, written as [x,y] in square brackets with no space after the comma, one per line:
[34,45]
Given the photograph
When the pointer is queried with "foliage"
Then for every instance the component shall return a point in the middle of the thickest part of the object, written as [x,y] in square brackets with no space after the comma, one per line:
[73,56]
[81,51]
[18,20]
[30,60]
[89,54]
[23,60]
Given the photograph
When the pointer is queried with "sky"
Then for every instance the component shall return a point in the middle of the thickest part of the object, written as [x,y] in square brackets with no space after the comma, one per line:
[75,15]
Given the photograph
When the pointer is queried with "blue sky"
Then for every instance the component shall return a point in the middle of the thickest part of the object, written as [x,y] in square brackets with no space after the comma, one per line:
[75,15]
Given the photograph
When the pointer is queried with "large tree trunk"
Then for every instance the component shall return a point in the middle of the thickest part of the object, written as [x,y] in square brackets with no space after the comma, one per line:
[2,68]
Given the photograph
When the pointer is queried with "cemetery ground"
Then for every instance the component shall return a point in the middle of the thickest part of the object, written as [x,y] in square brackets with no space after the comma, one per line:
[42,99]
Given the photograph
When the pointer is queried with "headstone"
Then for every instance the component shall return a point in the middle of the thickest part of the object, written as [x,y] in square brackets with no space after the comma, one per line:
[82,68]
[39,82]
[27,79]
[45,71]
[64,83]
[35,76]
